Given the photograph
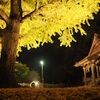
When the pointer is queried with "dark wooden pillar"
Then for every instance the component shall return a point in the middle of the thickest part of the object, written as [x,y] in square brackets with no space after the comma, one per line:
[85,77]
[93,72]
[97,71]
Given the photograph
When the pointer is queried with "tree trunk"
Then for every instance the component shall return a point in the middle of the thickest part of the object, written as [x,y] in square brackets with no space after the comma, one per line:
[10,38]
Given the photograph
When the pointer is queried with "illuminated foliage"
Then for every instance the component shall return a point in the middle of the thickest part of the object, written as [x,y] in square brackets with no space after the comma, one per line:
[52,17]
[23,73]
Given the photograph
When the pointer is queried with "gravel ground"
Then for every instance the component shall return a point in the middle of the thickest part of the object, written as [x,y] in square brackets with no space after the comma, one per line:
[76,93]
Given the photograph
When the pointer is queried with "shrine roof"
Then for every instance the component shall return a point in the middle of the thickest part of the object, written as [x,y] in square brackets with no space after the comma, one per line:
[94,52]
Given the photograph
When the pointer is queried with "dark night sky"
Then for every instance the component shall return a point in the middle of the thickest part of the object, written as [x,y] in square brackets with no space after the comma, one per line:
[58,61]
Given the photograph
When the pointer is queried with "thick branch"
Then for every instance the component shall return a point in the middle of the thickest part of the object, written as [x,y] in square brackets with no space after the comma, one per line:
[37,9]
[29,15]
[3,16]
[16,10]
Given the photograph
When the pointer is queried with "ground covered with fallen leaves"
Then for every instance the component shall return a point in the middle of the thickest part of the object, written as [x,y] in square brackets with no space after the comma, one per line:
[74,93]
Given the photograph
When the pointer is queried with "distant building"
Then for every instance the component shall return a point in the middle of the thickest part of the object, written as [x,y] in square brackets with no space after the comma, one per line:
[91,63]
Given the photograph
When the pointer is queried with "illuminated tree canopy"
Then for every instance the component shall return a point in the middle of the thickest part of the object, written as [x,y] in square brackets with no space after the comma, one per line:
[61,17]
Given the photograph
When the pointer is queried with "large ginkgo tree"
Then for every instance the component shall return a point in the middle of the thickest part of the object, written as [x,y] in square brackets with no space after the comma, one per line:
[31,23]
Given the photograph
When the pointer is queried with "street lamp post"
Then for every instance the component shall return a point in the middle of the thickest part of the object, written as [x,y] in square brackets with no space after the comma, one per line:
[42,63]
